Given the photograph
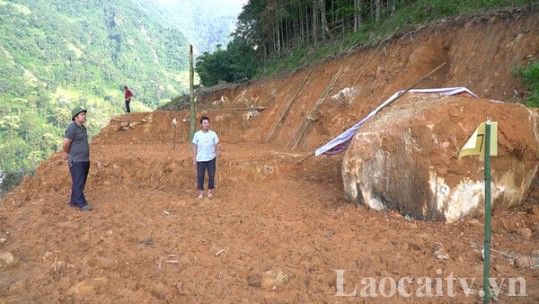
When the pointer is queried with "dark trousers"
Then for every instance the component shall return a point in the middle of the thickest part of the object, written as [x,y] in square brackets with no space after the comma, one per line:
[127,108]
[201,172]
[79,174]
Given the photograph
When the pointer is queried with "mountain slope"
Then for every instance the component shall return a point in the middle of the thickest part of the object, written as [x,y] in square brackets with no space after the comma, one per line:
[207,24]
[62,53]
[96,42]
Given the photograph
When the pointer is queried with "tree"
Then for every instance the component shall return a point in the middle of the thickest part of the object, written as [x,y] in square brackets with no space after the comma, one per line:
[357,15]
[243,60]
[235,64]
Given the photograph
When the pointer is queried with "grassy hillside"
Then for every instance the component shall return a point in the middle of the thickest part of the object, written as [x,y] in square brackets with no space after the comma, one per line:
[57,54]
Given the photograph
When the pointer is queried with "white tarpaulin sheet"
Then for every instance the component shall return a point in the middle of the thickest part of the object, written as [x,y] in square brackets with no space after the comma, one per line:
[340,143]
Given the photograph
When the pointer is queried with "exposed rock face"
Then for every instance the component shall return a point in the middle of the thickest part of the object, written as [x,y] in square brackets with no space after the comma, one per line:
[406,157]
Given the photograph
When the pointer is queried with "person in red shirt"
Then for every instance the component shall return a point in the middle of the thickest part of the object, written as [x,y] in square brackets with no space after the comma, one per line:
[127,98]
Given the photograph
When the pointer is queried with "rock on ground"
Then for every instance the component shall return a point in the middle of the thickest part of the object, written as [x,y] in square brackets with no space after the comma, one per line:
[406,157]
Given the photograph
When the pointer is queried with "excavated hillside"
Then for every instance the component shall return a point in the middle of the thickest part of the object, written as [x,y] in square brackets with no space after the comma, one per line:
[276,231]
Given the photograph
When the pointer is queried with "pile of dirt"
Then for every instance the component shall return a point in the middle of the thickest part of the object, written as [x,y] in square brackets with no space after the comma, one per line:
[276,231]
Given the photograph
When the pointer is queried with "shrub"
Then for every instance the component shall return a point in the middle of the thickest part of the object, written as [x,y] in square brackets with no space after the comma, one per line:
[530,77]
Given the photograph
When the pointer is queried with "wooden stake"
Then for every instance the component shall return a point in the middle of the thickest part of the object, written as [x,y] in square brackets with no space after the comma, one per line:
[192,94]
[174,139]
[174,124]
[306,157]
[280,120]
[306,122]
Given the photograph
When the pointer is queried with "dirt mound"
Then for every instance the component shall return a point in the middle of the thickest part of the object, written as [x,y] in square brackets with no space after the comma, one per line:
[275,231]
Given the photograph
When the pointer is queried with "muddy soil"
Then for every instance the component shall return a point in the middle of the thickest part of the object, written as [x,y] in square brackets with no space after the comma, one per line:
[276,231]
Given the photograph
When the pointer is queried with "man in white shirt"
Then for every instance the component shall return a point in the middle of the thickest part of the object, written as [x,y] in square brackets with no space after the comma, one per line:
[206,148]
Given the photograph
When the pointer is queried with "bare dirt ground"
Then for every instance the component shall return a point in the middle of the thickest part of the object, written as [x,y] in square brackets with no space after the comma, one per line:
[272,223]
[276,231]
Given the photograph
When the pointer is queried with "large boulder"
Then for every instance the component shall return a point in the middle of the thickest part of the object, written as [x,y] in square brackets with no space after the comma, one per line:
[406,157]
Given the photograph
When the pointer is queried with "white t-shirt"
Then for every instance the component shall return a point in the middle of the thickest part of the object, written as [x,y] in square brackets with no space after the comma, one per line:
[205,142]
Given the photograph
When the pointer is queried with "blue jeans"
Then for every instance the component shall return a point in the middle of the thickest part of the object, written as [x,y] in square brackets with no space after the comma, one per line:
[201,172]
[79,174]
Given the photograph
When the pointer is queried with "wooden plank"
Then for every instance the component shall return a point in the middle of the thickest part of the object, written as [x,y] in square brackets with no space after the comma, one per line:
[281,118]
[306,121]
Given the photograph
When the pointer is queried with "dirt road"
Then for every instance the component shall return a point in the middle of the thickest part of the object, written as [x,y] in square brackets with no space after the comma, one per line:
[276,232]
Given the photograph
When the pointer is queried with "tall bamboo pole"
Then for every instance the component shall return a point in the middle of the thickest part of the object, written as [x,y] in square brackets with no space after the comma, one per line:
[279,120]
[306,121]
[192,91]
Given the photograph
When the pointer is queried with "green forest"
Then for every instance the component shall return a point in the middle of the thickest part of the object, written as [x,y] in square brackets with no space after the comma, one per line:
[58,54]
[273,36]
